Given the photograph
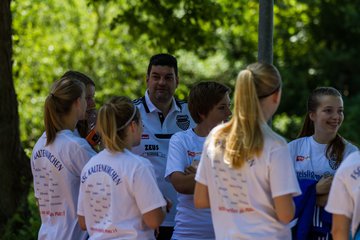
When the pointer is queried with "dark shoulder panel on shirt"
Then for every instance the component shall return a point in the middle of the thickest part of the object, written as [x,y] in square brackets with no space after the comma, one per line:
[138,101]
[180,103]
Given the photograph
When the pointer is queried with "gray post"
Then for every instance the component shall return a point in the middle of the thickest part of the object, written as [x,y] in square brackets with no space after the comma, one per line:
[265,34]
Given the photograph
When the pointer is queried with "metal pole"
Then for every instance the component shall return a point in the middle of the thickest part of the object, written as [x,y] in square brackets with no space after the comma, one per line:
[265,35]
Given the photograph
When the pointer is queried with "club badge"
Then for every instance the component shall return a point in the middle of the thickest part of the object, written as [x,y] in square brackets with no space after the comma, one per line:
[182,121]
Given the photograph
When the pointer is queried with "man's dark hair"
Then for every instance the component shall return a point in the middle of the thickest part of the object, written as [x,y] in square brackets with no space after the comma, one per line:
[163,59]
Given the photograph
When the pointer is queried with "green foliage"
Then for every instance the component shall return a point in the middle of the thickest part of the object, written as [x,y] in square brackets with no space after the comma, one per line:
[316,43]
[25,223]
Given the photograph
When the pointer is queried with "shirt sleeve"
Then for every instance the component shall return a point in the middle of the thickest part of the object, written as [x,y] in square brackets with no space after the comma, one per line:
[145,189]
[80,209]
[282,173]
[201,172]
[176,160]
[343,205]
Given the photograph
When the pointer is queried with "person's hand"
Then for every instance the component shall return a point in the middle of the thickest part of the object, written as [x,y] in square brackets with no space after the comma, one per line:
[324,184]
[190,170]
[321,200]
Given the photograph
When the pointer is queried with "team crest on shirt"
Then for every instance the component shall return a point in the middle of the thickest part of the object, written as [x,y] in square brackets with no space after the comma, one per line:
[332,162]
[183,121]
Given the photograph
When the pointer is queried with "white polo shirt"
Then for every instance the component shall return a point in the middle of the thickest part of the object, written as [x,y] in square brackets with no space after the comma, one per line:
[157,131]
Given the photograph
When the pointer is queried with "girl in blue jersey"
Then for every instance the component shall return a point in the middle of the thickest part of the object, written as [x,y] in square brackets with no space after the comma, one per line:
[317,153]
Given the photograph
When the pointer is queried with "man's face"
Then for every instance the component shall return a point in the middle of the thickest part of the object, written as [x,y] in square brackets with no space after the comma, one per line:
[161,83]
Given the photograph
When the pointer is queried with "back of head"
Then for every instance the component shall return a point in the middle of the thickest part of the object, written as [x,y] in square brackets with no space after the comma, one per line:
[58,104]
[203,97]
[83,125]
[243,135]
[71,74]
[112,120]
[163,59]
[312,104]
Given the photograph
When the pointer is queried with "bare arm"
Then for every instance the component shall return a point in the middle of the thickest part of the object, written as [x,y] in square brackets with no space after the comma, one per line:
[340,227]
[323,189]
[81,221]
[201,196]
[183,183]
[284,208]
[154,218]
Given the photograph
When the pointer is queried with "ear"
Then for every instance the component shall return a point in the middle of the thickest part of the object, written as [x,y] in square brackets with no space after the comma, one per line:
[147,80]
[202,116]
[77,102]
[312,116]
[177,81]
[276,96]
[133,126]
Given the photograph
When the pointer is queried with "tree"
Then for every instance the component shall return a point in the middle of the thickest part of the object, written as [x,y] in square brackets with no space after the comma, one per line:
[14,165]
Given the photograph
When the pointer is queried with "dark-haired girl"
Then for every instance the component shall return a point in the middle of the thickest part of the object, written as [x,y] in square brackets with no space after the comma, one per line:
[317,153]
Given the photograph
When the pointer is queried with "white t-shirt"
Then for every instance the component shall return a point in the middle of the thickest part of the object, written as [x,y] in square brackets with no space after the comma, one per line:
[116,190]
[344,195]
[310,158]
[241,200]
[190,223]
[56,171]
[157,131]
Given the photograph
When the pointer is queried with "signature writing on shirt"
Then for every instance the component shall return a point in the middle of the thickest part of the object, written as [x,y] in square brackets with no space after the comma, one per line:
[234,210]
[356,173]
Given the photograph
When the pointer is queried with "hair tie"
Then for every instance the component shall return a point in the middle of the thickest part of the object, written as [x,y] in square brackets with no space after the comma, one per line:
[271,93]
[130,119]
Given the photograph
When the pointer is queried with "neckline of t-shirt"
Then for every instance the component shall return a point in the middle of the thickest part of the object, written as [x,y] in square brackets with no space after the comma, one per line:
[194,133]
[316,144]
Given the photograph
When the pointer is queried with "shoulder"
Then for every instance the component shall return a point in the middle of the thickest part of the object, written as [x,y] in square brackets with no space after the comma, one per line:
[137,160]
[352,159]
[298,142]
[72,141]
[179,138]
[182,134]
[272,139]
[349,147]
[138,101]
[182,105]
[181,102]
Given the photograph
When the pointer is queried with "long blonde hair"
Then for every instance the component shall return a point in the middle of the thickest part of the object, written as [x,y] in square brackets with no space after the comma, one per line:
[112,120]
[243,136]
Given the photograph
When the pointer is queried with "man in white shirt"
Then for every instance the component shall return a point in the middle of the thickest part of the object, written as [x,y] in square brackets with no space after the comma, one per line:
[162,116]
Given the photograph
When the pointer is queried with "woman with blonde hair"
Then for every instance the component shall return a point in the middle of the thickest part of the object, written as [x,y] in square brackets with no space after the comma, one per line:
[245,174]
[119,197]
[57,160]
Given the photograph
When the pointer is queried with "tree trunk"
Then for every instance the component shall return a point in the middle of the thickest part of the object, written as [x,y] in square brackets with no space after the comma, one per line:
[15,174]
